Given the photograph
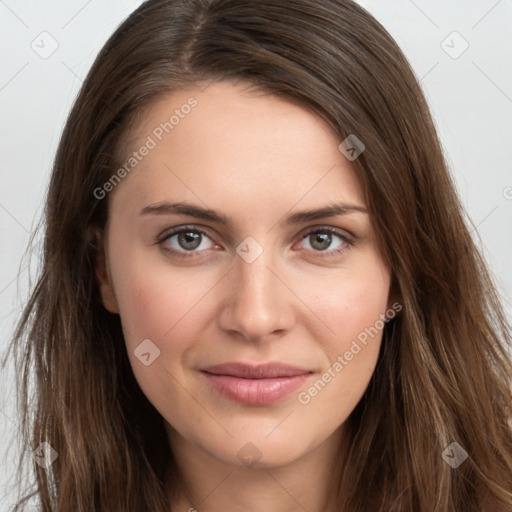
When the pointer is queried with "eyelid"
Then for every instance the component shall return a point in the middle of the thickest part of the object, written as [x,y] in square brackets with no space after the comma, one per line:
[178,229]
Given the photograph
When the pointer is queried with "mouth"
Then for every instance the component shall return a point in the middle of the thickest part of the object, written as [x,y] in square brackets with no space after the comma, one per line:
[255,385]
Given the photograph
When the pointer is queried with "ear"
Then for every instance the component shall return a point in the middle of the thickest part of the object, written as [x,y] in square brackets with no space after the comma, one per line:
[102,272]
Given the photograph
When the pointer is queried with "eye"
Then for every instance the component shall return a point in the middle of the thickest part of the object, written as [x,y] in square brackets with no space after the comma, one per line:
[190,241]
[321,239]
[186,239]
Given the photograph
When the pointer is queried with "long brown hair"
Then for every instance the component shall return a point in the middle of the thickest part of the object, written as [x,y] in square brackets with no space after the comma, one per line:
[443,375]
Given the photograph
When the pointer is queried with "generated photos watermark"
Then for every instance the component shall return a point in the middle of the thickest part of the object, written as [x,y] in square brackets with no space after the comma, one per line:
[151,142]
[305,397]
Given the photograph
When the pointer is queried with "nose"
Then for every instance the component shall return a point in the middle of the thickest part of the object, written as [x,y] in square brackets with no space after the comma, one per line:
[258,305]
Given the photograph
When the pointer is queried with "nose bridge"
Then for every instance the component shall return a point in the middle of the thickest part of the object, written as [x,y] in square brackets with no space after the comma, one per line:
[257,304]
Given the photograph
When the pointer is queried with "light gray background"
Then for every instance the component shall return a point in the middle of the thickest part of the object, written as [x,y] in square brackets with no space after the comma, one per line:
[470,97]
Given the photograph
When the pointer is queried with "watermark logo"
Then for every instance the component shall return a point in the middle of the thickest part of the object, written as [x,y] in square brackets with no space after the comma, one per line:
[45,45]
[454,455]
[249,455]
[249,249]
[351,147]
[454,45]
[146,352]
[45,455]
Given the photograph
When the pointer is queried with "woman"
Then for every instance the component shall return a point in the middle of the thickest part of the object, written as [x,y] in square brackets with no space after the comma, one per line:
[259,291]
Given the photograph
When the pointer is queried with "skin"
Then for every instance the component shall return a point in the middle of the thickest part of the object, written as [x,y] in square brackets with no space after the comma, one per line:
[256,158]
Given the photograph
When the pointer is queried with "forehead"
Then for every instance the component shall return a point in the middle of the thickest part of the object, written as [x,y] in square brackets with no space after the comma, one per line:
[228,143]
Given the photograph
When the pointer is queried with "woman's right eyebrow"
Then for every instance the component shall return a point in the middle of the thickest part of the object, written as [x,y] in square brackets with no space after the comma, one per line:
[185,208]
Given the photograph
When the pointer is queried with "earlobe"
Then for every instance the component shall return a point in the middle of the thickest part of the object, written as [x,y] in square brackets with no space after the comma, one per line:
[102,275]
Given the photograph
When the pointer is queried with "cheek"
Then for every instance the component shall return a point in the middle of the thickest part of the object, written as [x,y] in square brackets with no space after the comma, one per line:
[153,304]
[169,316]
[348,302]
[352,308]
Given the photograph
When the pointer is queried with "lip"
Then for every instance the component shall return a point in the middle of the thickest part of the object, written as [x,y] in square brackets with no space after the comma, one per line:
[259,371]
[255,384]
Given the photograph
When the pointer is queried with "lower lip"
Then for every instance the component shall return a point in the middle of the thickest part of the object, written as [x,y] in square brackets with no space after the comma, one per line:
[255,391]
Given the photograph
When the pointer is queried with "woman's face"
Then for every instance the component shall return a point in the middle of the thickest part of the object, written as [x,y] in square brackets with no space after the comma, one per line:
[252,324]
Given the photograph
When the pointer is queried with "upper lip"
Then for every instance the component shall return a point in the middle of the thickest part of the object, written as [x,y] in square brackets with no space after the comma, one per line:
[261,371]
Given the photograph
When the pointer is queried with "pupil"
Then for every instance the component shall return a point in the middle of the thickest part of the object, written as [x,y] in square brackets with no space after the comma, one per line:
[323,238]
[189,240]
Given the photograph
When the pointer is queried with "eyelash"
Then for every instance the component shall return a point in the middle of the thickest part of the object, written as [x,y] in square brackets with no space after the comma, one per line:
[347,241]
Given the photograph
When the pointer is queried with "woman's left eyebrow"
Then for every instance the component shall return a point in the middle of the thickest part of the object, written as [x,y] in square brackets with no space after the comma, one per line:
[332,210]
[192,210]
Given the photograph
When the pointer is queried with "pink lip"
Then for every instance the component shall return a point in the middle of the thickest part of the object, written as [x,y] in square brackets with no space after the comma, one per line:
[255,385]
